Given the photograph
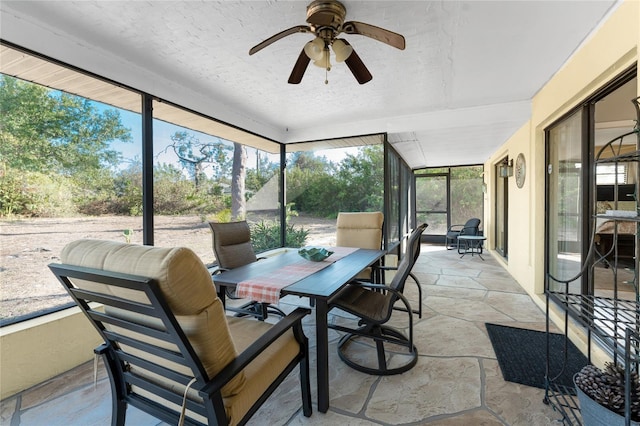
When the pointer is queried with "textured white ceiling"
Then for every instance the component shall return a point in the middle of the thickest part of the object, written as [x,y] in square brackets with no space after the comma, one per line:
[459,90]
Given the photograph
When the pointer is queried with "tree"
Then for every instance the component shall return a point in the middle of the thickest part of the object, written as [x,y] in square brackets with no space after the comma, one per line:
[47,131]
[362,180]
[195,155]
[238,174]
[320,187]
[264,171]
[54,146]
[309,162]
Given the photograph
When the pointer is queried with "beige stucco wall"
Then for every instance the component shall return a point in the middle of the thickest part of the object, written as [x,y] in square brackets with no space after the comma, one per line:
[36,350]
[609,51]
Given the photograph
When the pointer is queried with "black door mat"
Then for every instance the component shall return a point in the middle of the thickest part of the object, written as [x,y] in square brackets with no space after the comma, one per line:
[522,355]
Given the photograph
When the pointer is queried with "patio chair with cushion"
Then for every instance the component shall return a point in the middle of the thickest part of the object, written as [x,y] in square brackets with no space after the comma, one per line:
[471,227]
[232,248]
[361,230]
[373,305]
[169,349]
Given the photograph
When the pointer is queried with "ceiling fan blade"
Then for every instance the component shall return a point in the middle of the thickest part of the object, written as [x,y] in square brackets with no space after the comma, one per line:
[357,67]
[389,37]
[297,29]
[299,68]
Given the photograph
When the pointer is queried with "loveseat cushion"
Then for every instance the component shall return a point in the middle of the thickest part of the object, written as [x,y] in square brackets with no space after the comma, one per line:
[186,286]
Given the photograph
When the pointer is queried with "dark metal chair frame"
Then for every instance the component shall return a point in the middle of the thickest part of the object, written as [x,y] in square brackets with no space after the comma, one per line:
[415,254]
[117,359]
[259,310]
[471,227]
[372,323]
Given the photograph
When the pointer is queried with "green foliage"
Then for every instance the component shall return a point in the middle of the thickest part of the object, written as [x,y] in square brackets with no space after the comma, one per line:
[362,178]
[55,148]
[320,188]
[254,180]
[265,235]
[57,158]
[43,130]
[466,189]
[222,216]
[127,234]
[315,193]
[128,190]
[174,194]
[34,194]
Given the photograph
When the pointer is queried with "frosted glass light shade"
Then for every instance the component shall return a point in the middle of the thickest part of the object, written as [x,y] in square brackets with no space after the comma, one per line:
[342,50]
[314,49]
[324,61]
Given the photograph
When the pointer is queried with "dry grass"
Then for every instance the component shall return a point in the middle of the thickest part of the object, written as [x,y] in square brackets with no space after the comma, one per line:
[27,246]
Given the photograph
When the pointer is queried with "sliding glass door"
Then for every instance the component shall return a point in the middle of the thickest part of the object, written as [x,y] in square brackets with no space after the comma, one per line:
[565,215]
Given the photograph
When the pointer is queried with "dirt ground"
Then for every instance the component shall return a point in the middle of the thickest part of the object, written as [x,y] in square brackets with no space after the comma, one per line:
[27,246]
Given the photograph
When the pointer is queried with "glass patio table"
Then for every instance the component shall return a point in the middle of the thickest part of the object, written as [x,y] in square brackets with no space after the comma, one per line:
[471,244]
[320,286]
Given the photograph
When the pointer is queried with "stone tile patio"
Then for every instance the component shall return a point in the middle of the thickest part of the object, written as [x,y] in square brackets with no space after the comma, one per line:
[457,380]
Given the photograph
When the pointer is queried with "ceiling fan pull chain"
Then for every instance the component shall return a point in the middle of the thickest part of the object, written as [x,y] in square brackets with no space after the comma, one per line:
[327,68]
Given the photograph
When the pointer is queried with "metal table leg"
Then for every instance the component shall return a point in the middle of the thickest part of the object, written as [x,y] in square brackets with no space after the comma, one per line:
[322,354]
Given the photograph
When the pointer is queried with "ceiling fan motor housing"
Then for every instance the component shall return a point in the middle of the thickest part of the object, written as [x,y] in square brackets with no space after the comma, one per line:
[326,13]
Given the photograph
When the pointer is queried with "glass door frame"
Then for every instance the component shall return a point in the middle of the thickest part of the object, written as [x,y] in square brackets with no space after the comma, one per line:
[586,111]
[587,178]
[428,237]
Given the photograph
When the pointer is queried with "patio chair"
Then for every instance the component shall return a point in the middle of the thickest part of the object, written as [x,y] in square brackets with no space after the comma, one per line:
[373,305]
[232,248]
[415,252]
[169,348]
[361,230]
[469,228]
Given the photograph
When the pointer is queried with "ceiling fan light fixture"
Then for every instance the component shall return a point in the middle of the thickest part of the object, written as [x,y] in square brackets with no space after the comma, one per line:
[342,50]
[324,61]
[315,49]
[326,21]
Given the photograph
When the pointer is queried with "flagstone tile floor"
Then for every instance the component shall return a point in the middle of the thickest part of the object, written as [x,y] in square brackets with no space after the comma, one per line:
[457,380]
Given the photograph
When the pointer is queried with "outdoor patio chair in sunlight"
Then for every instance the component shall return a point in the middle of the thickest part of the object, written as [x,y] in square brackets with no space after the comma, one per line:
[361,230]
[169,349]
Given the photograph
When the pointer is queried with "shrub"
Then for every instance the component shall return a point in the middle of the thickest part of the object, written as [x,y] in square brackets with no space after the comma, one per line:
[266,236]
[34,194]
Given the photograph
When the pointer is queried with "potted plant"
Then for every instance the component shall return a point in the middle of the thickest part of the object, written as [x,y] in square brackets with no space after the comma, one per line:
[601,394]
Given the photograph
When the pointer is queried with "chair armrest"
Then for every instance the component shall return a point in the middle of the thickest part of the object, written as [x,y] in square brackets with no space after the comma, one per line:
[100,350]
[256,348]
[451,228]
[383,287]
[385,268]
[218,270]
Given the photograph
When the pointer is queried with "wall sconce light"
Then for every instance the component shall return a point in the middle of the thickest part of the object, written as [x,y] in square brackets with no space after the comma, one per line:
[505,169]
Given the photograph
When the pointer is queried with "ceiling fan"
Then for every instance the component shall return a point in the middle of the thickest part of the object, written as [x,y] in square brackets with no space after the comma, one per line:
[326,22]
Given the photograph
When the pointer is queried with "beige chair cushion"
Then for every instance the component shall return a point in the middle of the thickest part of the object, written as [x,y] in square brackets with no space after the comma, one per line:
[186,285]
[232,244]
[362,230]
[264,369]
